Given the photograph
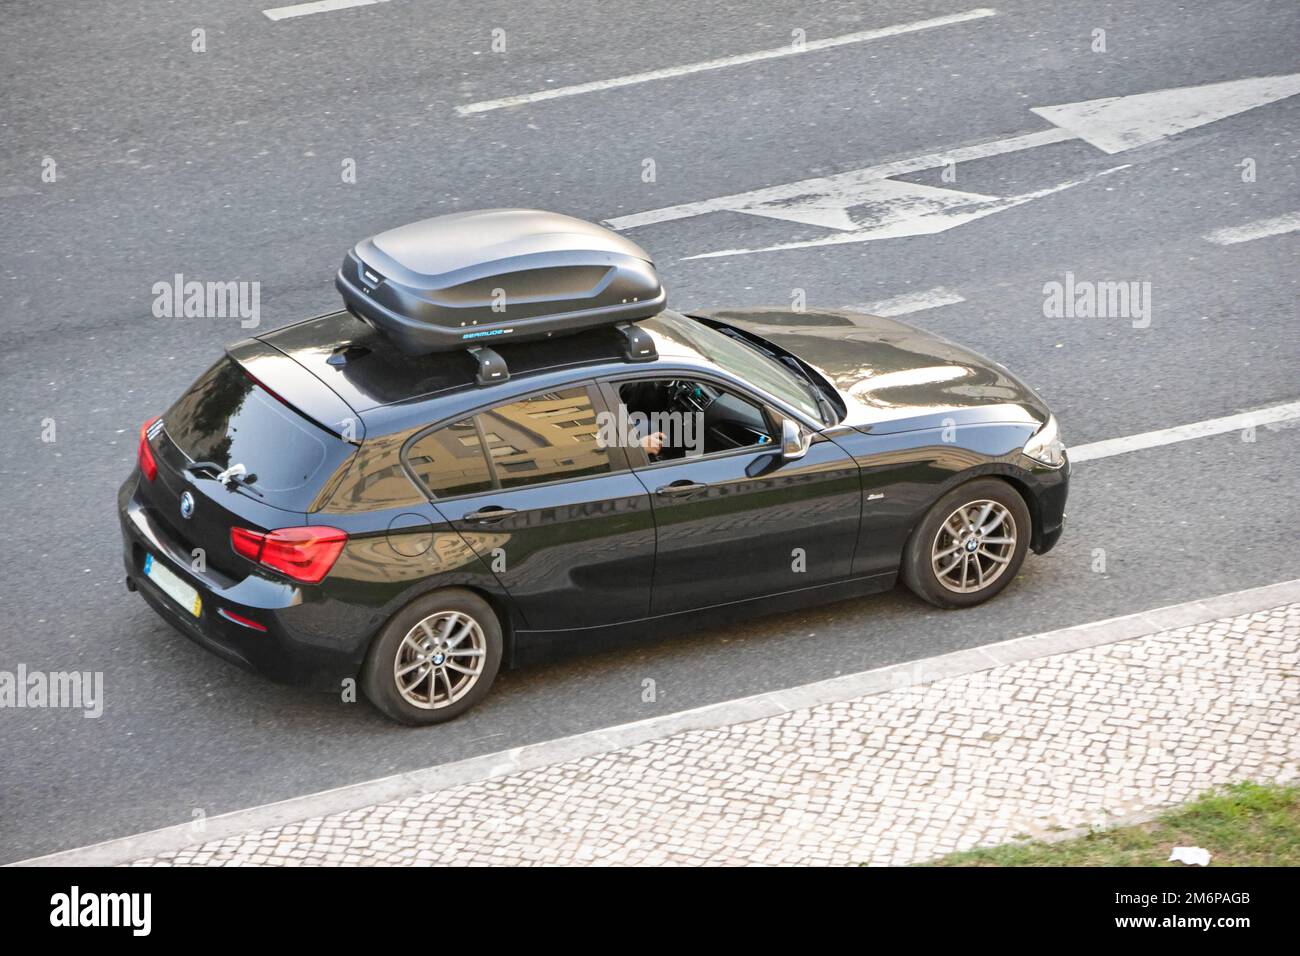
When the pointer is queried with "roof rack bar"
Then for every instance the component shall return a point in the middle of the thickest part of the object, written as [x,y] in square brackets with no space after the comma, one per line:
[638,346]
[491,366]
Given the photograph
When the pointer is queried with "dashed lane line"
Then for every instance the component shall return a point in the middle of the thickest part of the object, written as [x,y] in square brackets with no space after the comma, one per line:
[811,46]
[1260,229]
[318,6]
[1110,447]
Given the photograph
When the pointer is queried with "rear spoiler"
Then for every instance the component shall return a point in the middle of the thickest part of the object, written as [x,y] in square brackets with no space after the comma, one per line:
[298,388]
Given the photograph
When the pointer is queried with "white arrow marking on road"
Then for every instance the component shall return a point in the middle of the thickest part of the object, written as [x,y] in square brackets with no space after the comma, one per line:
[907,218]
[881,203]
[1117,123]
[865,204]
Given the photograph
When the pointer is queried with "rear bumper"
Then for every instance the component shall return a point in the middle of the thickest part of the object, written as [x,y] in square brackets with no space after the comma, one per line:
[302,644]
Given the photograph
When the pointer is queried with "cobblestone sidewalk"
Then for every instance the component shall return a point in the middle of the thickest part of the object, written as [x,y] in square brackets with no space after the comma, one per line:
[1029,748]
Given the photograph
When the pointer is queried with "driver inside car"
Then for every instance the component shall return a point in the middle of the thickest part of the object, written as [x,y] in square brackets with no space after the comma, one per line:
[647,398]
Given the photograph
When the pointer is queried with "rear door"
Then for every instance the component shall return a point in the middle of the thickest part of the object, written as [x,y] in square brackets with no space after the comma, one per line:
[558,517]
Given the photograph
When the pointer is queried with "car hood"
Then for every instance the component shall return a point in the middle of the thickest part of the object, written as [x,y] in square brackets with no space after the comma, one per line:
[893,376]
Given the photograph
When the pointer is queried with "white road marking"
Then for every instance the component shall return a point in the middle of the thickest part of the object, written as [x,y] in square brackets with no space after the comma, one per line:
[908,217]
[708,717]
[903,201]
[1277,226]
[318,6]
[810,46]
[867,204]
[1117,123]
[1168,436]
[910,302]
[844,184]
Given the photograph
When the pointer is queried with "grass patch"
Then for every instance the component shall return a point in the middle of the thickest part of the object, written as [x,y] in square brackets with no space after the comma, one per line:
[1245,824]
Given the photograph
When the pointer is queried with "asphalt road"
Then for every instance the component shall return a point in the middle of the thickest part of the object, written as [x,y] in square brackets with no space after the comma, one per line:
[226,165]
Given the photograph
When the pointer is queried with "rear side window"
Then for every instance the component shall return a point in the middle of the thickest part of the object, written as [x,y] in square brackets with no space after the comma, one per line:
[226,418]
[545,437]
[449,461]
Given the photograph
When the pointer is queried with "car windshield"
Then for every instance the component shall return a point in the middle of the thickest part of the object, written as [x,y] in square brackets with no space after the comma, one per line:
[753,366]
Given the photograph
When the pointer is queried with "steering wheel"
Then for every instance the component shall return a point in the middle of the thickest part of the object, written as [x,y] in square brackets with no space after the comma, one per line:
[688,396]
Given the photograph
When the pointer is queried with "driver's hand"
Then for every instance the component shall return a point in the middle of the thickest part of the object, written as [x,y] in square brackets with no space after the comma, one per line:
[653,443]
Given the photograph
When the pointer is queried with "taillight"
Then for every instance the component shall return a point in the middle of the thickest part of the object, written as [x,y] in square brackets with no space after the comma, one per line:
[148,466]
[304,554]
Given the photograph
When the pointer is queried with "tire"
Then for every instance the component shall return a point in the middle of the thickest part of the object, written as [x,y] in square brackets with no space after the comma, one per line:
[990,567]
[437,617]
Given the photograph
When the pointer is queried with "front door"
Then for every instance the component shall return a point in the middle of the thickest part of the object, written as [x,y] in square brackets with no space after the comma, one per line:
[734,519]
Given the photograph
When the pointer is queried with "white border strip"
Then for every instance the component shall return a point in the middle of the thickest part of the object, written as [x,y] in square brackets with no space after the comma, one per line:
[810,46]
[1168,436]
[475,769]
[319,6]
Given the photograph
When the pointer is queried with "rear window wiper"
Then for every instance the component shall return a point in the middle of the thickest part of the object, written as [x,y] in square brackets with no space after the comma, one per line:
[232,477]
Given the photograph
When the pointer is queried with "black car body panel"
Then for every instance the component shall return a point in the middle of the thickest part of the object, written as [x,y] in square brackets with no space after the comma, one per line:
[607,550]
[893,376]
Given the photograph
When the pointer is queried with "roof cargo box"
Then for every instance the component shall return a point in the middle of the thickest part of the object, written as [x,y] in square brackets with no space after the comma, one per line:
[476,278]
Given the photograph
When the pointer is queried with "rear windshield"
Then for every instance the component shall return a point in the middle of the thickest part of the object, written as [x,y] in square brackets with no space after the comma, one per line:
[227,418]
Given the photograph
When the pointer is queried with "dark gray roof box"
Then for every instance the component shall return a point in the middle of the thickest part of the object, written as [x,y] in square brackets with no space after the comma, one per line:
[481,278]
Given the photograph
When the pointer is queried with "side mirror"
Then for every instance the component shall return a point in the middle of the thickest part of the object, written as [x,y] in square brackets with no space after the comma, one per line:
[794,440]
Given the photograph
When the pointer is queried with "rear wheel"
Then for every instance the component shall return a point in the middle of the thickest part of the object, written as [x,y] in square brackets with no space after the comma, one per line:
[969,546]
[435,659]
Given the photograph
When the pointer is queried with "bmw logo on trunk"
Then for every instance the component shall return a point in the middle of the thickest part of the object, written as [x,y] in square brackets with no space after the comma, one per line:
[187,505]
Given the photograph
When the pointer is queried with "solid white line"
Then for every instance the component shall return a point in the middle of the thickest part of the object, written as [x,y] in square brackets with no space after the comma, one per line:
[318,6]
[909,302]
[1168,436]
[846,687]
[809,47]
[1277,226]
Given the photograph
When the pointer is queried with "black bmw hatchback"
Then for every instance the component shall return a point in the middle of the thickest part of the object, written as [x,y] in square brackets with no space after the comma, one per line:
[322,506]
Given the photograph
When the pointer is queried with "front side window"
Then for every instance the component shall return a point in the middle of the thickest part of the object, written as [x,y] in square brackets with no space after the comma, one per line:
[684,418]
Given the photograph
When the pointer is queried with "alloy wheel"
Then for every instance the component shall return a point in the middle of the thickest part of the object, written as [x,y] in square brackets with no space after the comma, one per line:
[974,546]
[440,659]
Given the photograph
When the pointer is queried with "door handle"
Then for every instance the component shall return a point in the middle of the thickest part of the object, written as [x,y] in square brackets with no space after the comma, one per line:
[681,489]
[488,514]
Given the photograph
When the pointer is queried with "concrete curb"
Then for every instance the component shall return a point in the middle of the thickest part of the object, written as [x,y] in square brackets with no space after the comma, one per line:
[488,766]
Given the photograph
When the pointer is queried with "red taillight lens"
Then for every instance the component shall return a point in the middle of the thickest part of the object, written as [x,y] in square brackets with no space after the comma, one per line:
[304,554]
[148,467]
[247,543]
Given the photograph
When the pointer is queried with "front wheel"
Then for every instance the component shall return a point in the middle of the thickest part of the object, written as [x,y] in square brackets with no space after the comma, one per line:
[435,659]
[969,546]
